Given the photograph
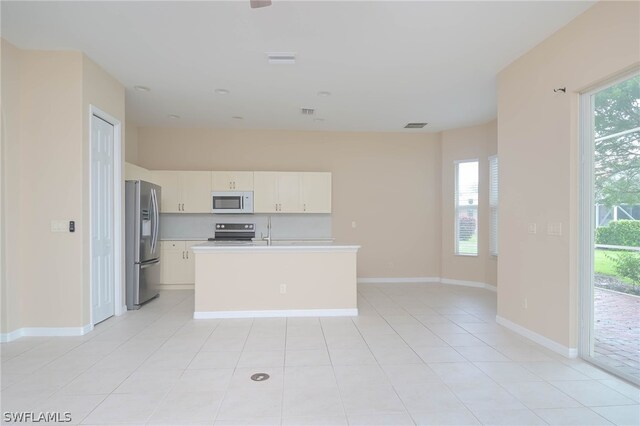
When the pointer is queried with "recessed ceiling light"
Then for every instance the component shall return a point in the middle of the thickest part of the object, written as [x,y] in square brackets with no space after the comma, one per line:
[415,125]
[174,116]
[222,91]
[324,93]
[237,117]
[281,57]
[142,88]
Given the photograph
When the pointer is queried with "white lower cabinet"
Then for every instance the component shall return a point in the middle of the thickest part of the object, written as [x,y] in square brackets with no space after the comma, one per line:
[177,263]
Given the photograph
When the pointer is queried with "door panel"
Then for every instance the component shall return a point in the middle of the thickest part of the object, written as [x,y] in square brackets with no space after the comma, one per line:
[315,192]
[265,195]
[195,190]
[289,192]
[173,262]
[102,220]
[168,181]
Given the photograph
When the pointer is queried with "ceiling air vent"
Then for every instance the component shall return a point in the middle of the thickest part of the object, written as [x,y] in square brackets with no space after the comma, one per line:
[307,111]
[415,125]
[281,57]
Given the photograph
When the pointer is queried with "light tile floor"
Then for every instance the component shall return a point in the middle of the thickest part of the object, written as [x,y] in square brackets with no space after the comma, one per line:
[416,354]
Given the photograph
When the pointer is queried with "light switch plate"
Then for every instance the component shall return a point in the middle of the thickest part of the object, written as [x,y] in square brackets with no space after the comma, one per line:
[59,226]
[533,228]
[554,228]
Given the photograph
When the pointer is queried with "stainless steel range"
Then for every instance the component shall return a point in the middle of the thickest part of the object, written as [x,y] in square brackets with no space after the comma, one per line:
[234,232]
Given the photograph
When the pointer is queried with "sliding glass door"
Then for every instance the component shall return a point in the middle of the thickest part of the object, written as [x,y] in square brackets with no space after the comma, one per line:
[610,227]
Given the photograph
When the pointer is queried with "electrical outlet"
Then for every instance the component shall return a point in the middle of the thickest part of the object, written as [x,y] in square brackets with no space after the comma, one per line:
[283,288]
[353,224]
[533,228]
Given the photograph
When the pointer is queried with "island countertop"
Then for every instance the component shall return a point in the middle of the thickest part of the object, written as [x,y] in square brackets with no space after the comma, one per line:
[276,245]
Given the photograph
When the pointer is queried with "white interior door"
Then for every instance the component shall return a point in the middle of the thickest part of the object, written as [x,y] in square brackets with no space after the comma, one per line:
[102,219]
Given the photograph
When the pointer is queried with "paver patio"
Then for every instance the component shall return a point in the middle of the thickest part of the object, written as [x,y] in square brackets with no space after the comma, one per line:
[617,330]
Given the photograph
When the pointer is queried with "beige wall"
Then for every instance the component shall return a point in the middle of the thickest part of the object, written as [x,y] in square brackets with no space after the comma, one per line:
[366,167]
[50,187]
[478,142]
[538,152]
[131,143]
[47,141]
[10,316]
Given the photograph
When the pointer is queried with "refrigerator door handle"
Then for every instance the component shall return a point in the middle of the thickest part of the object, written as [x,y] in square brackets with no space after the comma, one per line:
[154,238]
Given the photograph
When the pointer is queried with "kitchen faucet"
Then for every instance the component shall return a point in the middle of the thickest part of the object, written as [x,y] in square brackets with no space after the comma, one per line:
[268,237]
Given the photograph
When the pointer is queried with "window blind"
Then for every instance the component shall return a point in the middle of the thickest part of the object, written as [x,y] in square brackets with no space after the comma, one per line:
[493,205]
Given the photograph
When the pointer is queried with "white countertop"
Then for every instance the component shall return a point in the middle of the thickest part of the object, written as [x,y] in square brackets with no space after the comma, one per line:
[277,245]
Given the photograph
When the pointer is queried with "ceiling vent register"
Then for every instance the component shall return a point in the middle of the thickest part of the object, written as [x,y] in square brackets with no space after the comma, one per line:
[415,125]
[307,111]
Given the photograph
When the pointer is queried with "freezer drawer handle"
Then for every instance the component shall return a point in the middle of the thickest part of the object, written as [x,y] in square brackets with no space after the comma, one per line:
[147,265]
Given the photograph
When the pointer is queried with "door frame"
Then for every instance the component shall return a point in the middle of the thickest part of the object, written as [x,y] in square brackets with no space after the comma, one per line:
[586,222]
[118,240]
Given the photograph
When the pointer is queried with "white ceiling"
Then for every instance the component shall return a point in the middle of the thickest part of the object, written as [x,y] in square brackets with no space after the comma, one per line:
[385,63]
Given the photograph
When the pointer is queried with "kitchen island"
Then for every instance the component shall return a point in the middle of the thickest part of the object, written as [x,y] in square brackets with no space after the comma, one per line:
[284,279]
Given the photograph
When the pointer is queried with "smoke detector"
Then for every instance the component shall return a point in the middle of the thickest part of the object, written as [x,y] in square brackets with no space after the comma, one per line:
[415,125]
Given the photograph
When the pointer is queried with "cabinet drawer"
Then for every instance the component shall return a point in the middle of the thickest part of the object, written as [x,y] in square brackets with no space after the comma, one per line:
[172,245]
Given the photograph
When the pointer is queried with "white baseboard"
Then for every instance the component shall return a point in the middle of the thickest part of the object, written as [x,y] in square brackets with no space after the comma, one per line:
[538,338]
[427,280]
[176,287]
[45,332]
[476,284]
[398,280]
[277,313]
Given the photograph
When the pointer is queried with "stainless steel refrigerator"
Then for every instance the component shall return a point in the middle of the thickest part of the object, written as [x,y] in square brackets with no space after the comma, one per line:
[142,236]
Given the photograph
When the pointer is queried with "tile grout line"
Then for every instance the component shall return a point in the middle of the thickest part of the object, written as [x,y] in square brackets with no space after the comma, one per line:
[326,345]
[233,373]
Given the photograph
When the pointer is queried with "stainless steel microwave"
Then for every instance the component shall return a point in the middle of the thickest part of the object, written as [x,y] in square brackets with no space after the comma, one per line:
[232,202]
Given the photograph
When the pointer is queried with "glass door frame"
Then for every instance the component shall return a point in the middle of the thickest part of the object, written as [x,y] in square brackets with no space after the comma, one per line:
[586,230]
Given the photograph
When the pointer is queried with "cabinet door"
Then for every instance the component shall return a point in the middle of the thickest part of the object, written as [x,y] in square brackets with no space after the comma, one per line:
[315,192]
[265,196]
[242,181]
[232,181]
[172,262]
[190,264]
[289,192]
[195,188]
[168,180]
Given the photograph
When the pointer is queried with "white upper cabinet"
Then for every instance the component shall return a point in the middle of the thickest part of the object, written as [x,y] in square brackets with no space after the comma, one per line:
[265,192]
[184,192]
[232,181]
[315,192]
[292,192]
[170,201]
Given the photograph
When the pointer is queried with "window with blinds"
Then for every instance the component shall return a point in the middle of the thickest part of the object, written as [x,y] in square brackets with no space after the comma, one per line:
[466,209]
[493,205]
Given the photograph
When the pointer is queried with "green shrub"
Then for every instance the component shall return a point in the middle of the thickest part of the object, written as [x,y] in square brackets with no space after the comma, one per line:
[620,233]
[466,228]
[627,264]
